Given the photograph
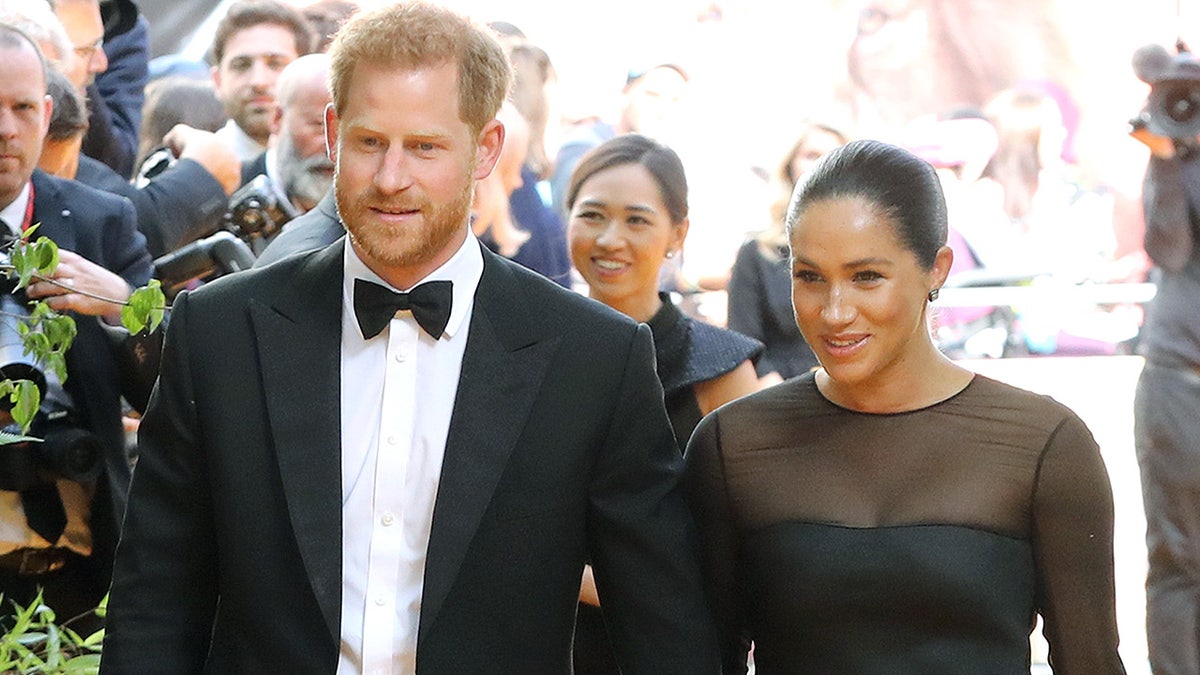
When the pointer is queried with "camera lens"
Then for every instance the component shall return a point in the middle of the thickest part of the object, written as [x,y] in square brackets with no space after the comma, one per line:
[1181,104]
[1174,107]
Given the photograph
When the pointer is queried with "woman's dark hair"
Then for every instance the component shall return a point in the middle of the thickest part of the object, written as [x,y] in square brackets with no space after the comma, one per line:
[901,185]
[658,159]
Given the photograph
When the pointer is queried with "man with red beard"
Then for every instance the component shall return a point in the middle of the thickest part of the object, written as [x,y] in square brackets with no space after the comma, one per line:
[397,452]
[254,42]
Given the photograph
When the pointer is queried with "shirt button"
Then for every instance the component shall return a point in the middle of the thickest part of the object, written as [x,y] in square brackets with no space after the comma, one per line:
[388,519]
[381,600]
[391,440]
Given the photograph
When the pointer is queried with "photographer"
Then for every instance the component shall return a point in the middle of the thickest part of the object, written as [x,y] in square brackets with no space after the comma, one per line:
[60,534]
[1166,426]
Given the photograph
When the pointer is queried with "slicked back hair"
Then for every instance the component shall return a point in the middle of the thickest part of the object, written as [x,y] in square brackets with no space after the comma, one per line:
[902,186]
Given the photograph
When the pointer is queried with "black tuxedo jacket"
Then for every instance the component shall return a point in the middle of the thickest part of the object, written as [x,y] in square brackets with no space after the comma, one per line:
[559,449]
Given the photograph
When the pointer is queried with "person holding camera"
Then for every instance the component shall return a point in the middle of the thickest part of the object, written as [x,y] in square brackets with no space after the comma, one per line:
[1166,426]
[59,521]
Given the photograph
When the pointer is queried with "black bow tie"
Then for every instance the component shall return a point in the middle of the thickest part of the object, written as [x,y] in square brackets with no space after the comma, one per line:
[375,305]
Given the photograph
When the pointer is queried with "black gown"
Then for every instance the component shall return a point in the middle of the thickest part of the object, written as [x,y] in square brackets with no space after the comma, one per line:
[918,542]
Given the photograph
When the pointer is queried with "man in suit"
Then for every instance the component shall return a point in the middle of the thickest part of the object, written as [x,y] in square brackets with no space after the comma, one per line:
[324,488]
[60,535]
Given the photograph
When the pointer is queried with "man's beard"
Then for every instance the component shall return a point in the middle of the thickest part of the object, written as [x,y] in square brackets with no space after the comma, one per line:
[402,247]
[304,180]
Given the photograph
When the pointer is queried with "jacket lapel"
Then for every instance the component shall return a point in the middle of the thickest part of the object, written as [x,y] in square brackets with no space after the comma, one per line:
[299,343]
[50,213]
[502,371]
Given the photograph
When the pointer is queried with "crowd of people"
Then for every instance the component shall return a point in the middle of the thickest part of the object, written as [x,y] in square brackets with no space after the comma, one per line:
[446,400]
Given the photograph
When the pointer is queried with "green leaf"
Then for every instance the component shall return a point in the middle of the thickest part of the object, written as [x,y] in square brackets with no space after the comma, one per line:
[26,399]
[144,309]
[83,665]
[31,638]
[45,255]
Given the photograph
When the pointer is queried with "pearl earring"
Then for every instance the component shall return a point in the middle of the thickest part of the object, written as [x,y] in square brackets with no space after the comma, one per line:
[670,254]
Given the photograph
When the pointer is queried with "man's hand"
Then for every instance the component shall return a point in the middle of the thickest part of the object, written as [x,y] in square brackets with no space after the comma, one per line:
[208,151]
[81,285]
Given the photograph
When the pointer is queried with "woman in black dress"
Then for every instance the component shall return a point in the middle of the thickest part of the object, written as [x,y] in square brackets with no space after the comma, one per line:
[628,214]
[892,512]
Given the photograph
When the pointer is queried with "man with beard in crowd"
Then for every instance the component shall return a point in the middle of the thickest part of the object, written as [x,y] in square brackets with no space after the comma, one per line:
[297,167]
[254,42]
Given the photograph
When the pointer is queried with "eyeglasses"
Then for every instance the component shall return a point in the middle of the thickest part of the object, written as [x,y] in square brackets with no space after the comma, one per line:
[88,51]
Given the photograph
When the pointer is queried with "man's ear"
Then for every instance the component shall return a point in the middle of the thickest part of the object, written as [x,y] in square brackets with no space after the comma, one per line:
[48,110]
[331,132]
[488,146]
[276,120]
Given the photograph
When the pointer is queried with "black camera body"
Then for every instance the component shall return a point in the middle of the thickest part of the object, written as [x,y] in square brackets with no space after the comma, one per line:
[1173,106]
[66,449]
[255,211]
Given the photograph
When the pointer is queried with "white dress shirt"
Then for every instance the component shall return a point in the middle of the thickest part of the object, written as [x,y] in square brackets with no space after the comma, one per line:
[245,147]
[397,395]
[13,215]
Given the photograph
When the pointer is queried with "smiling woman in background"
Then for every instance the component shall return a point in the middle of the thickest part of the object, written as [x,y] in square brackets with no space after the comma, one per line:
[892,512]
[628,208]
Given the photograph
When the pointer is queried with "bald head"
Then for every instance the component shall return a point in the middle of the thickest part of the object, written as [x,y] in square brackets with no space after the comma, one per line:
[303,92]
[306,76]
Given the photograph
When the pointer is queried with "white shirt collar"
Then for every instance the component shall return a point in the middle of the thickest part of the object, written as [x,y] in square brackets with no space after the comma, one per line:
[14,213]
[464,268]
[245,147]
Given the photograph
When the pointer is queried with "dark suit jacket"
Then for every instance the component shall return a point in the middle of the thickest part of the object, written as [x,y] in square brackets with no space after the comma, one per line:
[558,449]
[318,228]
[100,227]
[254,167]
[115,99]
[178,206]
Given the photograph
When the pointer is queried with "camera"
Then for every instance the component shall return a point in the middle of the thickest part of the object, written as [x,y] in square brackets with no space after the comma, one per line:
[65,450]
[255,212]
[1173,106]
[202,260]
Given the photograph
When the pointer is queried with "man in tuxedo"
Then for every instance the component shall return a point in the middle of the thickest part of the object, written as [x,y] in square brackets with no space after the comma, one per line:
[57,528]
[337,476]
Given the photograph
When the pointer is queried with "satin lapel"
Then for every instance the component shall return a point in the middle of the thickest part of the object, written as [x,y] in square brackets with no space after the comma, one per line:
[299,343]
[503,368]
[54,216]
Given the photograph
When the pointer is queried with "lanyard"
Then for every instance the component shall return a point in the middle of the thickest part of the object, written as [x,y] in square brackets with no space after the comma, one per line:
[28,210]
